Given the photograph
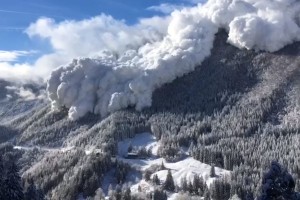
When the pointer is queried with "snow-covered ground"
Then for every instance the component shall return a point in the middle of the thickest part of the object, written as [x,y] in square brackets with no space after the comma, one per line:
[140,140]
[26,148]
[187,167]
[61,149]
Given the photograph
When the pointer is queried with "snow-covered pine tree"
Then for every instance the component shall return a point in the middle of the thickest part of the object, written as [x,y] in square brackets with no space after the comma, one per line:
[159,194]
[277,183]
[220,190]
[162,166]
[111,192]
[184,184]
[130,148]
[155,179]
[118,192]
[32,193]
[197,185]
[12,184]
[215,190]
[147,175]
[1,178]
[139,188]
[235,197]
[212,171]
[126,193]
[206,194]
[99,194]
[169,183]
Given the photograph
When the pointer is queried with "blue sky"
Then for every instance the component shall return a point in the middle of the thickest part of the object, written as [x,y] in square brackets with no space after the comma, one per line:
[39,35]
[16,16]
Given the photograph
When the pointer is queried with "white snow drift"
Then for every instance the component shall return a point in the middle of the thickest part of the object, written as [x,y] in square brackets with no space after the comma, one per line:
[111,81]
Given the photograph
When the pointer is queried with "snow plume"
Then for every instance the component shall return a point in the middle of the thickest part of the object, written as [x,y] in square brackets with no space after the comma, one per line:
[107,83]
[110,82]
[24,93]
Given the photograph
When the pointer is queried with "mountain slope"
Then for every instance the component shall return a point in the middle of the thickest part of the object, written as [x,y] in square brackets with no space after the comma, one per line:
[238,110]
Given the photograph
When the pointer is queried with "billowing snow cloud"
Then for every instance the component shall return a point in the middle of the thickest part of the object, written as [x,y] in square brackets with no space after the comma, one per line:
[132,67]
[107,83]
[25,93]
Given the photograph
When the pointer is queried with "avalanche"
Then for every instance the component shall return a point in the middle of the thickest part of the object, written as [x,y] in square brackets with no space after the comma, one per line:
[111,81]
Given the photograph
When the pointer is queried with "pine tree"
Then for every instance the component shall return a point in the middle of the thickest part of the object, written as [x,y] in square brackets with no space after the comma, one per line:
[41,195]
[99,194]
[111,192]
[197,185]
[277,183]
[184,184]
[130,148]
[2,177]
[235,197]
[90,185]
[162,166]
[12,184]
[139,188]
[169,183]
[118,192]
[212,171]
[215,190]
[155,179]
[147,175]
[202,184]
[31,192]
[206,194]
[190,187]
[159,195]
[249,196]
[126,193]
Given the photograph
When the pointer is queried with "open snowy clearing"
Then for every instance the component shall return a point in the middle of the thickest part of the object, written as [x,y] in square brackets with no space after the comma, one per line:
[140,140]
[187,167]
[184,168]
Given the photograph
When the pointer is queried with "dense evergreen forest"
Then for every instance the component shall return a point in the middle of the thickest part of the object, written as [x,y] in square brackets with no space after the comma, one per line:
[239,111]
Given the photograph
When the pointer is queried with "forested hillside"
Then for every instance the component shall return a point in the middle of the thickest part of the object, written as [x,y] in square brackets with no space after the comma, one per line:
[239,110]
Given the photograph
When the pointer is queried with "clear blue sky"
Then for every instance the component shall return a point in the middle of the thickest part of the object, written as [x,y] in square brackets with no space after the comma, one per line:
[16,15]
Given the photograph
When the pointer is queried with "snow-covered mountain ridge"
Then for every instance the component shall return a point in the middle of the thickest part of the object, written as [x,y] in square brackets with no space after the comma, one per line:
[239,110]
[117,80]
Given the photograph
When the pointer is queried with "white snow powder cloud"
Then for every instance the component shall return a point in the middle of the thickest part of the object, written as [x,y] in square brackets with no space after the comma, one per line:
[25,93]
[122,65]
[108,82]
